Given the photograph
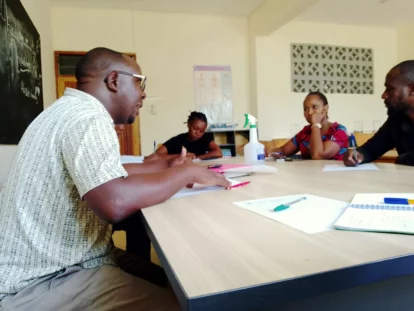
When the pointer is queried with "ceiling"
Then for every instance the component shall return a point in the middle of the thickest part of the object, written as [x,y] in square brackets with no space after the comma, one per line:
[220,7]
[377,13]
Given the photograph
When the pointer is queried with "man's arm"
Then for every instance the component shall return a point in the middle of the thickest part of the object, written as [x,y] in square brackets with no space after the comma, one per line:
[119,198]
[214,152]
[157,164]
[379,144]
[406,158]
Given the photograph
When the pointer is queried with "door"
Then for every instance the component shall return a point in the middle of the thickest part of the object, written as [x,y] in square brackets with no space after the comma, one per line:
[128,135]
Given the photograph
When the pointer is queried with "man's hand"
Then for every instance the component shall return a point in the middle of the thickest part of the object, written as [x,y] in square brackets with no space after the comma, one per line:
[208,177]
[152,157]
[178,160]
[352,158]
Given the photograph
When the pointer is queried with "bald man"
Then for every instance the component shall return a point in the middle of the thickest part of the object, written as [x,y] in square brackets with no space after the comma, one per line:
[398,131]
[67,186]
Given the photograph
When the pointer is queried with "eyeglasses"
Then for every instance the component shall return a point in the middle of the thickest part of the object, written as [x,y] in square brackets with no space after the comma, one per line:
[142,78]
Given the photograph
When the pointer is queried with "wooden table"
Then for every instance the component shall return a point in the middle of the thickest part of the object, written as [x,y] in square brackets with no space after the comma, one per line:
[221,257]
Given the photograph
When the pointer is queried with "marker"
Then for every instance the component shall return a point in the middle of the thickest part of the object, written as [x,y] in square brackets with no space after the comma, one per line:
[155,146]
[399,201]
[240,184]
[282,207]
[214,166]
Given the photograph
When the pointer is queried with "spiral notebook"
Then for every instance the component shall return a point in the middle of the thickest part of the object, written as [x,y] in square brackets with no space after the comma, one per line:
[367,212]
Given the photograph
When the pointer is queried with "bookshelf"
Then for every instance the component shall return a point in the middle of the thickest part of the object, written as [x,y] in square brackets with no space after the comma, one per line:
[231,141]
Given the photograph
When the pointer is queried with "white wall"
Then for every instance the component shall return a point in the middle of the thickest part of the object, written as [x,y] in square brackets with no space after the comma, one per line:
[405,42]
[39,12]
[278,107]
[167,45]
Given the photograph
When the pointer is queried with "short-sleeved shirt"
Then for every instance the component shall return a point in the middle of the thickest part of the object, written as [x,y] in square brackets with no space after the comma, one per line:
[198,147]
[336,133]
[45,226]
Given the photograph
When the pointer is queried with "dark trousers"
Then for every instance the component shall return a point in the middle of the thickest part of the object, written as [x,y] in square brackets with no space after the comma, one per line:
[139,244]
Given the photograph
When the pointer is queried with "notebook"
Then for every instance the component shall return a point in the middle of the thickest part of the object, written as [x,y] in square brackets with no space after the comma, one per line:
[244,168]
[367,212]
[312,215]
[199,189]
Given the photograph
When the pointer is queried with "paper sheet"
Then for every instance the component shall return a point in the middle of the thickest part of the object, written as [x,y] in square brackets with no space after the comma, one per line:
[198,189]
[343,168]
[132,159]
[313,215]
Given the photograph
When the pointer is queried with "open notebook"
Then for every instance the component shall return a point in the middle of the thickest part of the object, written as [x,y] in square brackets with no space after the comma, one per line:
[367,212]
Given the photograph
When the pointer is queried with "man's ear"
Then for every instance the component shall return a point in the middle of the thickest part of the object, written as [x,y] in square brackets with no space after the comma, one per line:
[112,81]
[326,108]
[411,90]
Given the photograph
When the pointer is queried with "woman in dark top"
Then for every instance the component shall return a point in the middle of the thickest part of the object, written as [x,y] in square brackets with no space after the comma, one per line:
[199,144]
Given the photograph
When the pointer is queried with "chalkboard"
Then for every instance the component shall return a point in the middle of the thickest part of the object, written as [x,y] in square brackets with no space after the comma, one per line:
[21,92]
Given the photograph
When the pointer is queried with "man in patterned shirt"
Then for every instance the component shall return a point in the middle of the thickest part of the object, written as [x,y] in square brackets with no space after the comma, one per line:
[65,188]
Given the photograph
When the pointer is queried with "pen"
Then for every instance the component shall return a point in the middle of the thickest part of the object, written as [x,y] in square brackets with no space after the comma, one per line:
[353,146]
[400,201]
[282,207]
[240,184]
[155,146]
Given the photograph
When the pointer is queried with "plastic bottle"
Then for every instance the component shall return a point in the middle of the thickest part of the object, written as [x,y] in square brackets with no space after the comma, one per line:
[254,152]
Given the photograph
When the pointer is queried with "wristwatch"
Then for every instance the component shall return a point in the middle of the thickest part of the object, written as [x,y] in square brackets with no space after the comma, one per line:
[317,125]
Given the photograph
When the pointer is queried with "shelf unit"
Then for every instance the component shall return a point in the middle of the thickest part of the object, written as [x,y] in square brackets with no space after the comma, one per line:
[232,140]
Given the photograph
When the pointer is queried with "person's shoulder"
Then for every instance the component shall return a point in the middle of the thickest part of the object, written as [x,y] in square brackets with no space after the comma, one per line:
[182,136]
[208,137]
[306,129]
[177,138]
[338,127]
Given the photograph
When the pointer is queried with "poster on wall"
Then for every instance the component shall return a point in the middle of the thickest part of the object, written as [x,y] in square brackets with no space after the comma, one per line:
[213,93]
[21,98]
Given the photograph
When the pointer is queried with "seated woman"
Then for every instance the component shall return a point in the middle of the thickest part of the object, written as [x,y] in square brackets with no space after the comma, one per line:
[320,139]
[199,144]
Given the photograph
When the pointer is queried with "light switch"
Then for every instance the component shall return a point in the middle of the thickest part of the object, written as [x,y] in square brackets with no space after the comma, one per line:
[153,109]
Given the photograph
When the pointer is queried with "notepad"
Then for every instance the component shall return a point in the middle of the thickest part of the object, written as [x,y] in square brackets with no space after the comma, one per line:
[199,189]
[243,168]
[367,212]
[127,159]
[343,168]
[313,215]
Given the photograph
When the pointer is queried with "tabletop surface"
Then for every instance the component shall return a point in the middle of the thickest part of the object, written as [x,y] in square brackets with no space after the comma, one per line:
[214,246]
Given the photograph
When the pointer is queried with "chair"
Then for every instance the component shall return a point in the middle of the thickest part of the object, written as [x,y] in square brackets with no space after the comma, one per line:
[362,138]
[279,142]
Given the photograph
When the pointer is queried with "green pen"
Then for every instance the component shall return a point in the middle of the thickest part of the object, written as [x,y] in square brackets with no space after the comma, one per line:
[282,207]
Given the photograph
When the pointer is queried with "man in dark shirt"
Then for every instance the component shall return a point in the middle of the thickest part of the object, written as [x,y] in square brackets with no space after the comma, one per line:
[398,131]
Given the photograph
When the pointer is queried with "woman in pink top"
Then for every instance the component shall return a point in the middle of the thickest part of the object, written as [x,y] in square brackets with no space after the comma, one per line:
[321,139]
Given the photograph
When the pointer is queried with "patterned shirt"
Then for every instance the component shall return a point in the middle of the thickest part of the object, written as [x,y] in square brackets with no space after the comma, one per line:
[336,133]
[45,226]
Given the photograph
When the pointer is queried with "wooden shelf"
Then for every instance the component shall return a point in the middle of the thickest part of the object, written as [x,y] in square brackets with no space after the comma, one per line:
[232,139]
